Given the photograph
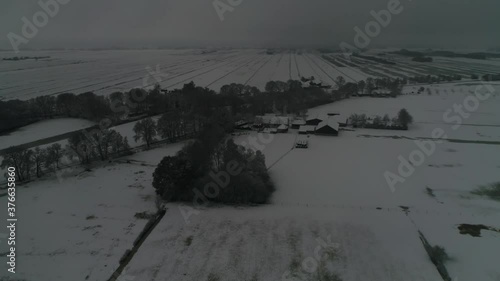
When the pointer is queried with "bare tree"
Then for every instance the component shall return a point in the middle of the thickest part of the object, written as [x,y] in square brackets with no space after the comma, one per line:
[145,130]
[39,158]
[54,155]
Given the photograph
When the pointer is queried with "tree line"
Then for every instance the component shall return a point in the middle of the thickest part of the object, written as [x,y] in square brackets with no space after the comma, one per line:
[185,113]
[34,162]
[399,122]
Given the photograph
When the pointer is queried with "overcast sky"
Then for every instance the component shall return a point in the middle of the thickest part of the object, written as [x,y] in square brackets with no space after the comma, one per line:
[153,23]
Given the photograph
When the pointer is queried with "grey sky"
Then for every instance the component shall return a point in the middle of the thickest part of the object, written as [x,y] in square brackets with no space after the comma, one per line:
[254,23]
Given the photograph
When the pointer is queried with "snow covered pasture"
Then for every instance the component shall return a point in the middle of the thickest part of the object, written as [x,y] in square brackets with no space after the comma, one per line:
[43,129]
[78,227]
[333,212]
[107,71]
[336,188]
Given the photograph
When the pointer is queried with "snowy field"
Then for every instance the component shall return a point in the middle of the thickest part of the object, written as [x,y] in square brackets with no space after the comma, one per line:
[43,129]
[78,227]
[107,71]
[334,191]
[337,188]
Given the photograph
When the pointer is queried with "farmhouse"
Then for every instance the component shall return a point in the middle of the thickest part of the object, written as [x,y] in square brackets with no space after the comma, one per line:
[313,121]
[272,120]
[297,123]
[282,128]
[329,127]
[381,93]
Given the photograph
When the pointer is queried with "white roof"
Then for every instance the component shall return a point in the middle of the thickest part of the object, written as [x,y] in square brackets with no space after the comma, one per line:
[330,122]
[283,127]
[272,119]
[299,122]
[313,117]
[382,91]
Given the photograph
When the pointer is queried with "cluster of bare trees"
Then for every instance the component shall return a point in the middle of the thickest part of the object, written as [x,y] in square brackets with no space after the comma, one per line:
[98,144]
[85,146]
[400,122]
[34,162]
[173,126]
[23,112]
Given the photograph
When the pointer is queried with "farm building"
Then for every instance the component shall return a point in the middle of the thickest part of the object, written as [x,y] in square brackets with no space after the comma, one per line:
[329,127]
[282,128]
[297,123]
[381,93]
[343,121]
[313,121]
[307,129]
[272,121]
[242,125]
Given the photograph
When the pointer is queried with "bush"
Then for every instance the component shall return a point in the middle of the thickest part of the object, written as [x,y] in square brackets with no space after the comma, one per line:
[430,192]
[404,118]
[144,216]
[439,254]
[492,191]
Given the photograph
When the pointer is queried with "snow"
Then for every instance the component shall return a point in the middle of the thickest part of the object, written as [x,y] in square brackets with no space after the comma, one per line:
[104,72]
[78,228]
[335,188]
[43,129]
[262,242]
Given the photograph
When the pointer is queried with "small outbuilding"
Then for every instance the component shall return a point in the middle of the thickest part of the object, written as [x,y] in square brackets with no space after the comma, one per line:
[297,123]
[307,129]
[282,128]
[313,121]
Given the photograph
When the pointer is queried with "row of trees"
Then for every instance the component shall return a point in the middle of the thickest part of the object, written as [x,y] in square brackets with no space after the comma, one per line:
[97,144]
[401,121]
[434,78]
[21,113]
[37,161]
[85,146]
[245,99]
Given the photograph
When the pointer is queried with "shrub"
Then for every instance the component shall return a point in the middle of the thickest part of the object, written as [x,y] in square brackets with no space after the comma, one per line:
[430,192]
[213,277]
[188,241]
[492,191]
[439,254]
[144,216]
[404,118]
